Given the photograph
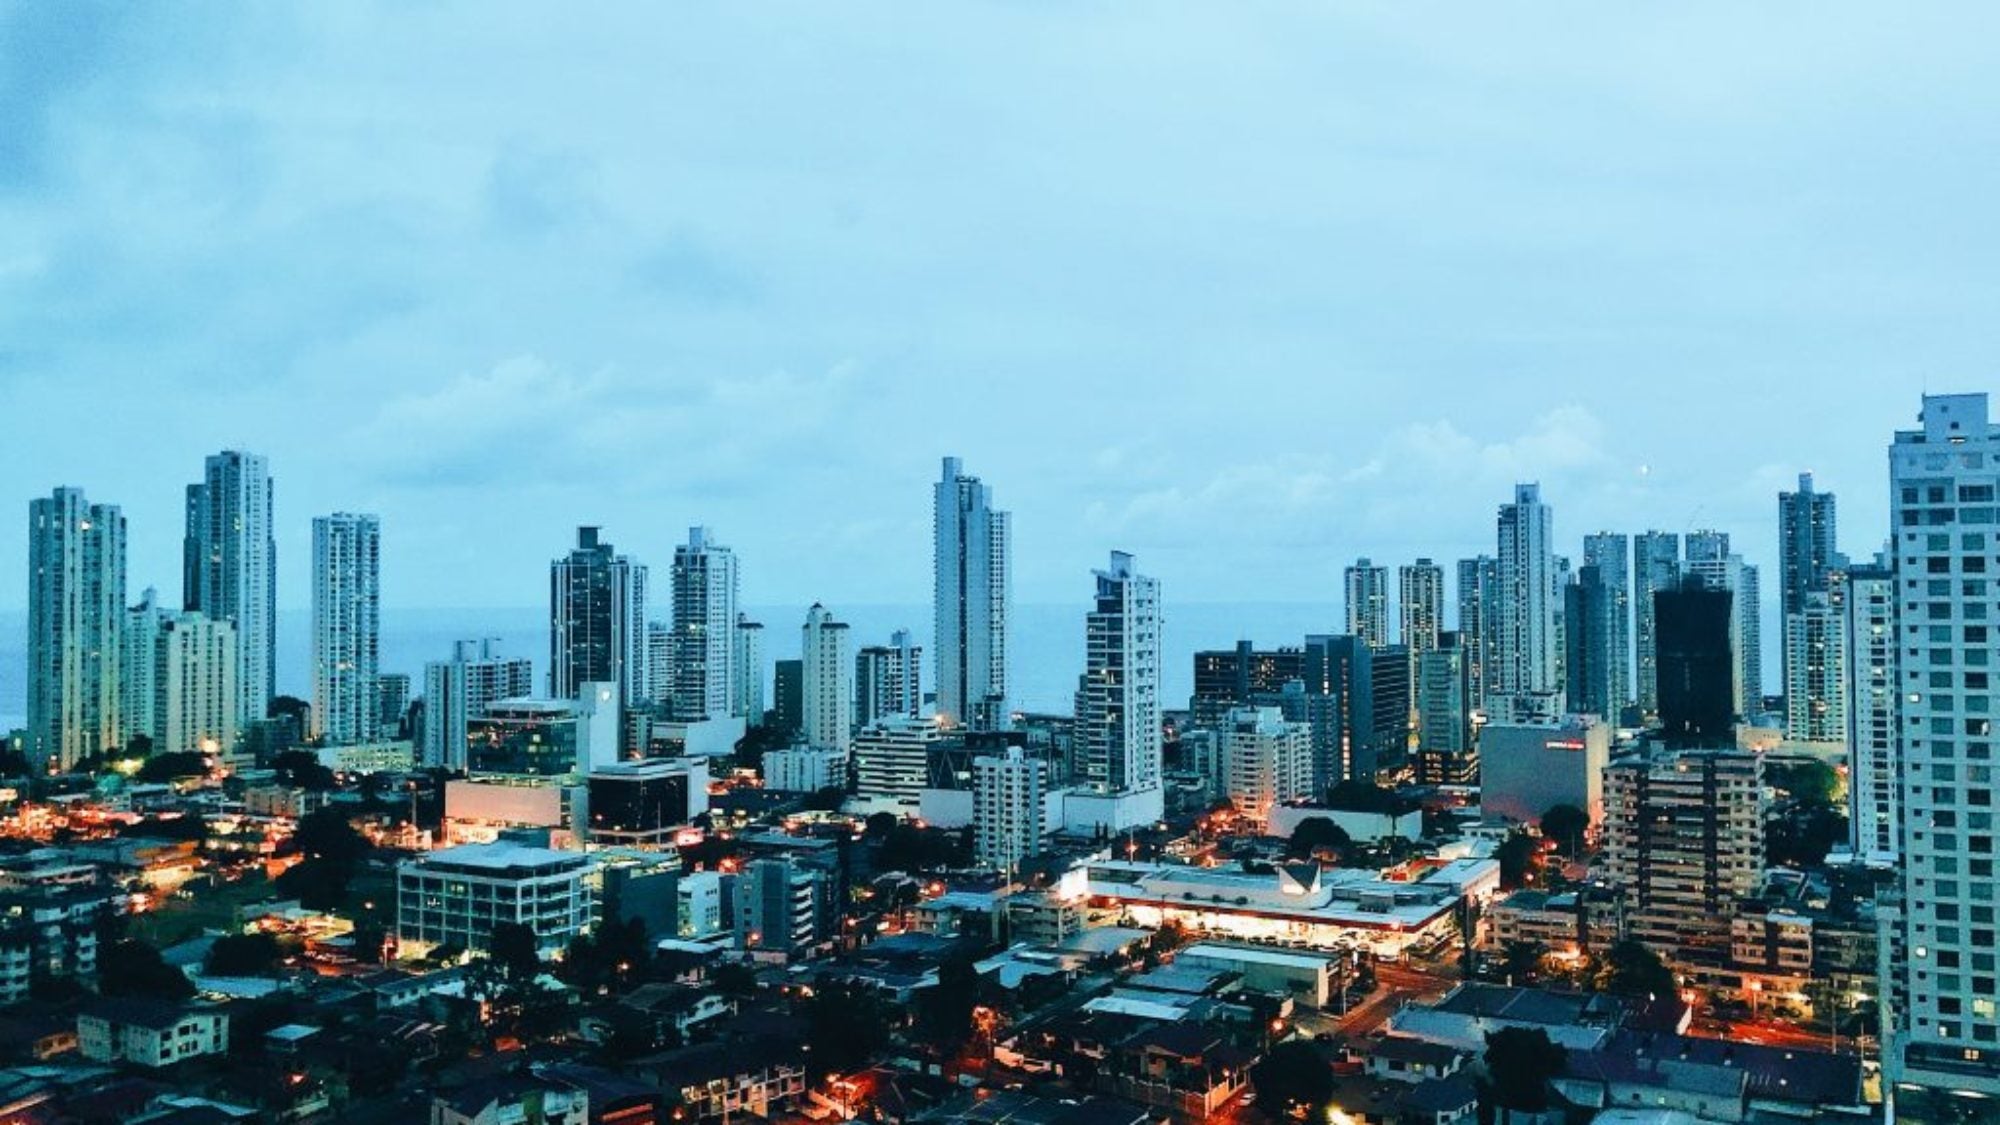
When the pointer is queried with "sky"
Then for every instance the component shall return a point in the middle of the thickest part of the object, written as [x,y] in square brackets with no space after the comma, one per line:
[1247,289]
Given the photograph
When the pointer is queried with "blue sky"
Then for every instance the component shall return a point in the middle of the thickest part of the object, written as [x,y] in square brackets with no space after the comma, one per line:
[1247,289]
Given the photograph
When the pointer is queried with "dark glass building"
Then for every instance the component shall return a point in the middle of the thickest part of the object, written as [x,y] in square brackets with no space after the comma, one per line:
[1696,665]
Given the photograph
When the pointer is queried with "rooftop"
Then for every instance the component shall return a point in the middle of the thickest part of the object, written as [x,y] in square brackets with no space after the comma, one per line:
[499,859]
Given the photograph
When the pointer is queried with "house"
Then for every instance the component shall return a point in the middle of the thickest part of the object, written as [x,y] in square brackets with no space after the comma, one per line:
[150,1033]
[1400,1058]
[1188,1068]
[512,1099]
[713,1081]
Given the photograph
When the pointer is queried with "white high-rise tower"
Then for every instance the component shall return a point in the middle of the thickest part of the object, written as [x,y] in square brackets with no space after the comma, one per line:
[826,677]
[1421,606]
[973,580]
[1368,602]
[1118,732]
[230,568]
[1526,679]
[705,591]
[76,610]
[347,597]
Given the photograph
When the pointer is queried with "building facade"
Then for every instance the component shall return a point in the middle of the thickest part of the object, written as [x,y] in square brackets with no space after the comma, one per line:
[597,620]
[1266,761]
[347,628]
[1367,587]
[1009,808]
[1684,837]
[230,568]
[76,611]
[1816,677]
[195,671]
[1873,716]
[747,665]
[456,897]
[888,679]
[1527,650]
[1610,552]
[1420,606]
[706,588]
[1656,566]
[460,689]
[827,681]
[1119,741]
[972,600]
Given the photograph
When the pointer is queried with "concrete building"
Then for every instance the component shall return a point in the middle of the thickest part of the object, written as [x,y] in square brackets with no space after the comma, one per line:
[1266,761]
[972,600]
[788,697]
[138,683]
[888,680]
[698,912]
[597,620]
[1478,623]
[195,705]
[1816,677]
[1729,572]
[1527,648]
[459,690]
[1808,551]
[1367,587]
[1391,699]
[1593,667]
[660,662]
[1445,751]
[1118,718]
[1525,769]
[781,908]
[392,702]
[1225,679]
[456,896]
[1873,708]
[1420,605]
[545,738]
[807,769]
[1009,808]
[76,609]
[892,762]
[645,804]
[748,668]
[1610,553]
[153,1034]
[706,587]
[1684,837]
[1696,672]
[1656,566]
[230,568]
[826,684]
[347,628]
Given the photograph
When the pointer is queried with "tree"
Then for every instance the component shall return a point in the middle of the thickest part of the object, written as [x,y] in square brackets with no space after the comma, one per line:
[133,968]
[516,950]
[607,960]
[333,851]
[826,800]
[846,1026]
[1519,856]
[167,767]
[880,824]
[243,955]
[302,768]
[944,1011]
[1566,825]
[1807,782]
[1801,835]
[1520,1063]
[732,978]
[1520,961]
[1314,833]
[1630,969]
[1293,1073]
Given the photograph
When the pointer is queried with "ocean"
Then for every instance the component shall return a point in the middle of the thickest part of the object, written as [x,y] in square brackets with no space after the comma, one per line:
[1046,656]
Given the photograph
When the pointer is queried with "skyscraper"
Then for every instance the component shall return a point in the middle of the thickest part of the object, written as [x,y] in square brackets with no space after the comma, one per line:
[230,568]
[660,661]
[1368,602]
[886,680]
[1527,649]
[1943,478]
[1445,754]
[1656,566]
[346,600]
[1610,553]
[748,668]
[138,681]
[460,689]
[76,609]
[1119,724]
[1591,659]
[1807,549]
[1266,761]
[1478,589]
[1873,707]
[1009,793]
[1420,605]
[1697,667]
[597,621]
[827,684]
[1684,839]
[195,708]
[973,581]
[705,592]
[1817,683]
[1728,571]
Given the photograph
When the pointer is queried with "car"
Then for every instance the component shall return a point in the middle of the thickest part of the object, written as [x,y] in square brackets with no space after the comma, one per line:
[1249,1097]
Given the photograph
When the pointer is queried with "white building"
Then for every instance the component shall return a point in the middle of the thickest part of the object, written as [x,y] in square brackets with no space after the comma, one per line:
[1118,720]
[1943,480]
[347,628]
[459,689]
[1527,638]
[1368,602]
[1816,679]
[231,568]
[747,666]
[888,680]
[892,761]
[660,660]
[1873,789]
[76,608]
[806,769]
[1420,605]
[705,592]
[826,681]
[456,896]
[698,905]
[1009,808]
[138,682]
[597,620]
[1266,761]
[972,595]
[195,686]
[150,1033]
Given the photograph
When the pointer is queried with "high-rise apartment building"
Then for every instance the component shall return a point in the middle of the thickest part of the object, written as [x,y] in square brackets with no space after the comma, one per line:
[460,689]
[1420,590]
[1009,808]
[76,610]
[1684,838]
[660,662]
[1807,548]
[138,681]
[597,621]
[892,761]
[1656,566]
[230,568]
[195,685]
[827,683]
[1119,723]
[1478,626]
[1874,795]
[1943,503]
[1368,602]
[747,663]
[392,701]
[1225,679]
[1526,674]
[1591,659]
[1266,761]
[1610,552]
[781,907]
[973,584]
[347,628]
[705,593]
[1727,571]
[1816,676]
[887,679]
[1445,753]
[1697,666]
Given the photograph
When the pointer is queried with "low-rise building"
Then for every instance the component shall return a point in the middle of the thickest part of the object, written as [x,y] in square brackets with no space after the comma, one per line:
[1567,924]
[457,896]
[512,1099]
[150,1033]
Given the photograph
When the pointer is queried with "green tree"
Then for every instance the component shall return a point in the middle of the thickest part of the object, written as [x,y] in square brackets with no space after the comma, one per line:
[167,767]
[1520,1063]
[1566,825]
[1314,833]
[1293,1074]
[944,1011]
[302,768]
[1519,856]
[1520,961]
[516,950]
[134,968]
[1630,969]
[733,978]
[846,1025]
[244,955]
[1807,782]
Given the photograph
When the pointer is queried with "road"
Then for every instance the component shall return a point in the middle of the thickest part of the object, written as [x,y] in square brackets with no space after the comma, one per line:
[1768,1033]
